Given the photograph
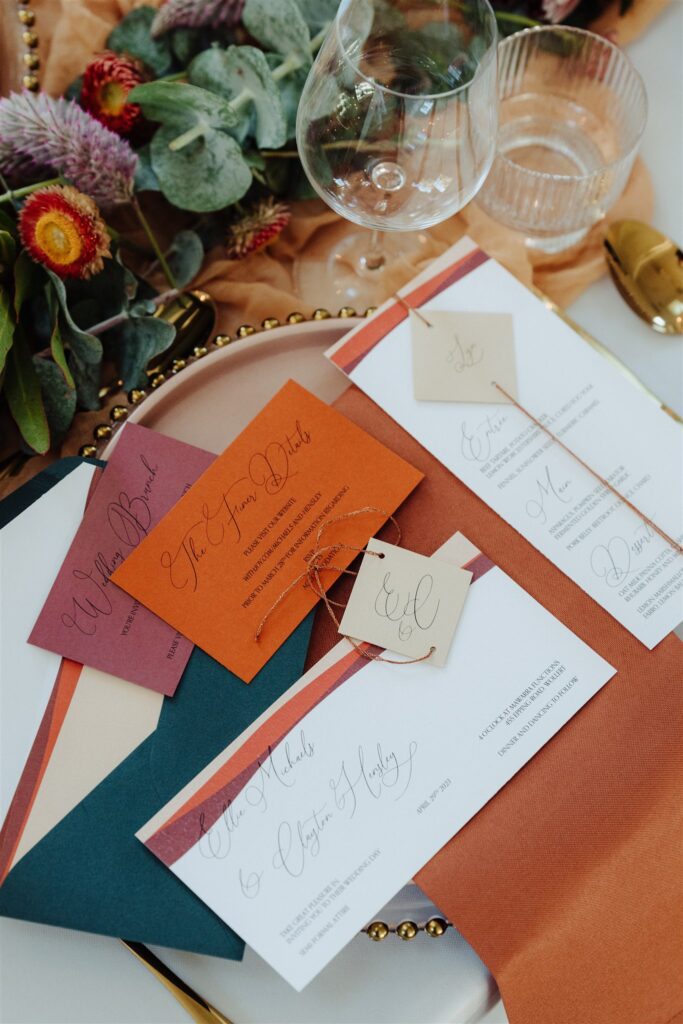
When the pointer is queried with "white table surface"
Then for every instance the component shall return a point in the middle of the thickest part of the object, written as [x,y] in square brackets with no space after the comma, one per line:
[55,976]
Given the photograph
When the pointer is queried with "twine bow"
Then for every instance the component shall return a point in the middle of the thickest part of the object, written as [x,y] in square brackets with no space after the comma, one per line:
[317,562]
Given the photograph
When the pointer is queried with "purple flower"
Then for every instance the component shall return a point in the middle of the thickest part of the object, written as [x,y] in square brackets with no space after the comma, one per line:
[38,132]
[195,13]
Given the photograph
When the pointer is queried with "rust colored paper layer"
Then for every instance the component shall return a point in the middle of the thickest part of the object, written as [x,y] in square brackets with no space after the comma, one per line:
[569,883]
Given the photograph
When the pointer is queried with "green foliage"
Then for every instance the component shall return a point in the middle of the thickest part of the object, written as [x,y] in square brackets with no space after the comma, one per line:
[208,174]
[278,25]
[22,390]
[136,341]
[185,257]
[59,397]
[132,35]
[145,178]
[85,346]
[28,278]
[8,249]
[183,106]
[317,13]
[241,74]
[6,326]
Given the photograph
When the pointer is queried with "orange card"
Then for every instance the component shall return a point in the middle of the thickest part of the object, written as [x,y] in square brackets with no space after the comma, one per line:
[217,563]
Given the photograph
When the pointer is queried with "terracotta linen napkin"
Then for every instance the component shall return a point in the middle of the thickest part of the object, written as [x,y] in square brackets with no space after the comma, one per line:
[569,883]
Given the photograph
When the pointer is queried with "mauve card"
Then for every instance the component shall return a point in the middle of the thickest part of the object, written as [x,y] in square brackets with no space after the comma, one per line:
[87,617]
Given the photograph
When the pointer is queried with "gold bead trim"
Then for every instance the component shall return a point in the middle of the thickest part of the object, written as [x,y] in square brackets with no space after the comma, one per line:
[29,37]
[435,927]
[104,431]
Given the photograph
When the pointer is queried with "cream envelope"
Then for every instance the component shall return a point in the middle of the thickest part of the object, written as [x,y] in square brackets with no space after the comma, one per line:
[64,728]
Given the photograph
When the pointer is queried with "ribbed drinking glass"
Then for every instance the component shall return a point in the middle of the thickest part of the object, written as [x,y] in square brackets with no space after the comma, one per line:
[572,111]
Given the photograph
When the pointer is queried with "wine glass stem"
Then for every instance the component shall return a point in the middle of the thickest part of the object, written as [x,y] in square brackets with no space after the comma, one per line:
[374,257]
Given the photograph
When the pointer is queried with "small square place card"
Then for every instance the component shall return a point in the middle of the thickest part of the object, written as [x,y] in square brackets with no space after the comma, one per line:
[456,356]
[406,602]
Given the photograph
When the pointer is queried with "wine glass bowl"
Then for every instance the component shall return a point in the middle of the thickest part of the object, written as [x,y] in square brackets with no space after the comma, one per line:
[397,121]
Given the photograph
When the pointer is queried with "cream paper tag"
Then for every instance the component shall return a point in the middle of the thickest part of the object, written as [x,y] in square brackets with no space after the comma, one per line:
[406,602]
[460,354]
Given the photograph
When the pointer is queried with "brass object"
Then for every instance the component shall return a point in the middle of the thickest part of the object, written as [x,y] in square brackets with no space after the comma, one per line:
[346,311]
[158,379]
[406,930]
[370,310]
[245,330]
[377,931]
[118,413]
[198,1008]
[295,318]
[199,350]
[193,315]
[269,323]
[26,17]
[31,60]
[31,83]
[647,268]
[221,340]
[136,396]
[30,39]
[88,451]
[102,432]
[435,927]
[321,314]
[178,364]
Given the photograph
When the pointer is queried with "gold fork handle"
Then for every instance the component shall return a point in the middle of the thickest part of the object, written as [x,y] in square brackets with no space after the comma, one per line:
[198,1008]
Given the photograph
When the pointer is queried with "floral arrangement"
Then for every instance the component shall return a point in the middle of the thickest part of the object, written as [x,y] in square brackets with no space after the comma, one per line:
[195,101]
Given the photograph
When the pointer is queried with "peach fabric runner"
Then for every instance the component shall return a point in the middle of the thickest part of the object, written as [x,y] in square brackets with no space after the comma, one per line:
[247,291]
[569,883]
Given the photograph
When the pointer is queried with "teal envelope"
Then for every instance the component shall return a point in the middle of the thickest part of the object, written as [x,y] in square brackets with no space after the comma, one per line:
[91,873]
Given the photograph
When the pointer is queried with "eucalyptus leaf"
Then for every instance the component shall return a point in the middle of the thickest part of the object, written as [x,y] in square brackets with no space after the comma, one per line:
[59,398]
[145,178]
[186,42]
[207,71]
[185,257]
[318,13]
[241,74]
[208,174]
[133,35]
[278,25]
[86,377]
[183,106]
[87,347]
[24,399]
[290,88]
[6,327]
[8,249]
[136,341]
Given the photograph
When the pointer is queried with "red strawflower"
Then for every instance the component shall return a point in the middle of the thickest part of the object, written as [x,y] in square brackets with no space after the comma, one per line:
[106,83]
[62,229]
[256,229]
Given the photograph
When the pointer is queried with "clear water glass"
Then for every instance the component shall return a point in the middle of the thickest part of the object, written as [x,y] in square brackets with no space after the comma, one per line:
[397,121]
[571,115]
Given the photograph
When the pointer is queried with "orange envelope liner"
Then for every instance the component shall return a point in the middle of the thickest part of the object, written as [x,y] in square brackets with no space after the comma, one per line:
[222,560]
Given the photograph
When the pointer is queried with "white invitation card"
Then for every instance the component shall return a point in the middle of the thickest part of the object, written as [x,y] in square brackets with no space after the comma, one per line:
[601,414]
[301,830]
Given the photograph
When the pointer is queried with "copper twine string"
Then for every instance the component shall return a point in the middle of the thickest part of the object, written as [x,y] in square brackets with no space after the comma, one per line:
[316,564]
[541,426]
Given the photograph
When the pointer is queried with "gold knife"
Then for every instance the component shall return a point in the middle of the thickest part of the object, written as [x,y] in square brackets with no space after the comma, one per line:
[198,1008]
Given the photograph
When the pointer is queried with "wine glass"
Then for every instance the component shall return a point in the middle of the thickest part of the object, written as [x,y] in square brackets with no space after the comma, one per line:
[396,131]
